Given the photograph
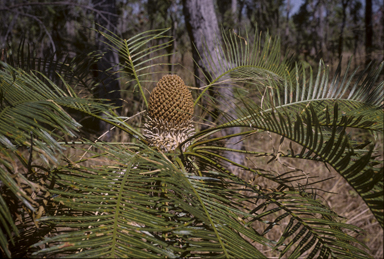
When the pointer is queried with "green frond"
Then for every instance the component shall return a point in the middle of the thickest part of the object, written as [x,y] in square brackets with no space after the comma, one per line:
[305,228]
[144,206]
[357,95]
[33,116]
[147,206]
[330,145]
[138,55]
[75,71]
[244,60]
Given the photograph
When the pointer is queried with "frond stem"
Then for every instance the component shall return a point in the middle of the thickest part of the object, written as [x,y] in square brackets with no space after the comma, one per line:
[208,216]
[227,72]
[134,73]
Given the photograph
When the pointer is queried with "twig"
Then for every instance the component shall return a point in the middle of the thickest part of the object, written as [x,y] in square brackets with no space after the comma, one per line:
[30,154]
[356,216]
[105,133]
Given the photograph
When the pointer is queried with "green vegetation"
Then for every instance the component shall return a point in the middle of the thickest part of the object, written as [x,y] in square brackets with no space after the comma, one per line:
[84,198]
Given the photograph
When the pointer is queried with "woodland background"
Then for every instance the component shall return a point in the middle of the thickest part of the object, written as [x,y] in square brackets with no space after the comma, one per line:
[309,30]
[313,29]
[318,29]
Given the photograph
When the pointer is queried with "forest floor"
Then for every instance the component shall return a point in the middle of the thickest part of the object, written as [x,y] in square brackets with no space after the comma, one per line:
[336,193]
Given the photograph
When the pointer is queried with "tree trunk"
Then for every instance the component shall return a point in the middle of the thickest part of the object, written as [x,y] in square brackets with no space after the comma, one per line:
[234,11]
[344,4]
[321,35]
[109,87]
[368,30]
[171,58]
[203,30]
[240,12]
[355,14]
[381,42]
[287,27]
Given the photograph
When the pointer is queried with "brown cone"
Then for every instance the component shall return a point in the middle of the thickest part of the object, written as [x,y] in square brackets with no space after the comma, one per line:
[171,101]
[170,111]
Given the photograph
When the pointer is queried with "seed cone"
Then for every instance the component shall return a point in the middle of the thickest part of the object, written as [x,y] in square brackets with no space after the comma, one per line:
[170,110]
[171,100]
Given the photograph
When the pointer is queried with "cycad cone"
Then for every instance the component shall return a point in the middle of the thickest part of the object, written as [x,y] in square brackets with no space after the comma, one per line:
[170,111]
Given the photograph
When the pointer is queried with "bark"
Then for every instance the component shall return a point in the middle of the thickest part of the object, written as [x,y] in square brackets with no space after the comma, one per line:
[368,30]
[203,30]
[109,88]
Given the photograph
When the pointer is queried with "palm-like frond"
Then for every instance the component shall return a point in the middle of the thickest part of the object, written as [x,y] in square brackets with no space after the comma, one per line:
[148,206]
[32,116]
[32,111]
[309,110]
[145,200]
[357,95]
[281,84]
[138,56]
[356,165]
[244,60]
[76,71]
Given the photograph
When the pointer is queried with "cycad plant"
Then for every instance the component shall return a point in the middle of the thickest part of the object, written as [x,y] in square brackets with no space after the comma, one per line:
[170,192]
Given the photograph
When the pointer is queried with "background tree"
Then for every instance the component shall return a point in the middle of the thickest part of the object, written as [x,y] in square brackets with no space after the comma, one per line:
[203,29]
[368,30]
[344,5]
[106,71]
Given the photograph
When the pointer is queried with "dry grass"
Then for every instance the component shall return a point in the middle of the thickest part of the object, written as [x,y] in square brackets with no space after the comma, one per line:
[339,195]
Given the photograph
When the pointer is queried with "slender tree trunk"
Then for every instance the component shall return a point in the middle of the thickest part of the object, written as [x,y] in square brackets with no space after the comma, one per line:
[173,15]
[368,30]
[329,33]
[203,29]
[344,4]
[287,26]
[313,51]
[109,87]
[356,20]
[321,31]
[382,29]
[234,11]
[240,13]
